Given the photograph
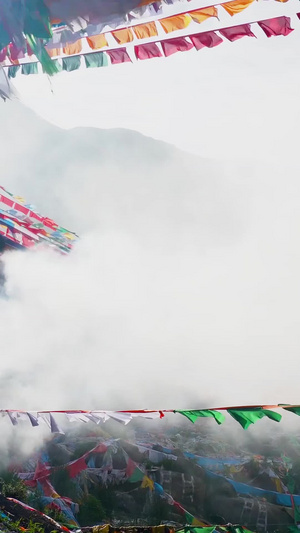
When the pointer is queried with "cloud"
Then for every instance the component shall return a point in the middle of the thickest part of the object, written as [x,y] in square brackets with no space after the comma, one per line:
[182,292]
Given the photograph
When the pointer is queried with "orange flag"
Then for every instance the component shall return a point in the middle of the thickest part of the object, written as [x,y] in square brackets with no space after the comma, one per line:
[97,41]
[202,14]
[74,48]
[236,6]
[123,36]
[53,52]
[179,22]
[142,31]
[145,3]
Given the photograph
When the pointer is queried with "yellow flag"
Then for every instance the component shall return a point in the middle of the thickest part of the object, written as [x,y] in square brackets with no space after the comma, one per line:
[179,22]
[147,483]
[53,52]
[236,6]
[123,36]
[202,14]
[74,48]
[142,31]
[97,41]
[196,522]
[19,199]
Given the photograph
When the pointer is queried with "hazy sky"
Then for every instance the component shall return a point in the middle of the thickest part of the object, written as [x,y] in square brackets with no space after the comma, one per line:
[221,102]
[184,289]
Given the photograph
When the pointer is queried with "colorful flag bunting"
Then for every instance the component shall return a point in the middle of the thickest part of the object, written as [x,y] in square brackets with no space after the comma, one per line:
[295,410]
[147,483]
[203,14]
[119,55]
[178,22]
[194,415]
[71,63]
[96,42]
[208,39]
[143,31]
[179,44]
[236,6]
[29,68]
[98,59]
[76,467]
[123,36]
[276,26]
[54,52]
[246,418]
[237,32]
[245,415]
[12,71]
[72,49]
[147,51]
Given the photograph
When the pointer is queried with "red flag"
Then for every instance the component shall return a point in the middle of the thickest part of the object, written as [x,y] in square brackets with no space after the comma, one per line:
[237,32]
[15,52]
[118,56]
[208,39]
[171,46]
[131,466]
[6,201]
[101,448]
[42,470]
[179,507]
[76,467]
[3,54]
[276,26]
[147,51]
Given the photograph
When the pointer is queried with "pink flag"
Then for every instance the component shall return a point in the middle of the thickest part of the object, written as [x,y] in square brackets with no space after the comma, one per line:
[171,46]
[119,55]
[237,32]
[15,52]
[147,51]
[3,54]
[276,26]
[208,39]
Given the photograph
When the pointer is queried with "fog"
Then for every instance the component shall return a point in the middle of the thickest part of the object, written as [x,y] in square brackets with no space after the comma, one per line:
[183,291]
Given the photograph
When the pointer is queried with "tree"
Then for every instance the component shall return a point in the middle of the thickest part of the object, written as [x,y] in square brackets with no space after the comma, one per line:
[91,511]
[12,486]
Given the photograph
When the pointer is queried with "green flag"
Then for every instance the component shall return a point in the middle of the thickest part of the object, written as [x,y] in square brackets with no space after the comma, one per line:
[136,476]
[97,59]
[12,71]
[71,63]
[194,414]
[250,416]
[295,410]
[41,53]
[209,529]
[56,64]
[30,68]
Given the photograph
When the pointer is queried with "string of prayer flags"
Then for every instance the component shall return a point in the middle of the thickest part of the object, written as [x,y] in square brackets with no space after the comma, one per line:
[244,415]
